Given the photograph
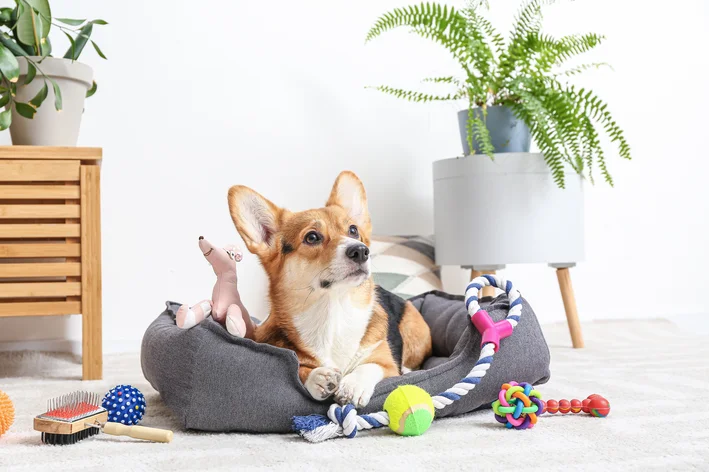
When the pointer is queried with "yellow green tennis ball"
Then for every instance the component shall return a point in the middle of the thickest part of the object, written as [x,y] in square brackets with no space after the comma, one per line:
[410,410]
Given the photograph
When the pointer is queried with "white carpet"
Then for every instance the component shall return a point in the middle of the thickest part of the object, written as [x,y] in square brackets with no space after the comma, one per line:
[655,376]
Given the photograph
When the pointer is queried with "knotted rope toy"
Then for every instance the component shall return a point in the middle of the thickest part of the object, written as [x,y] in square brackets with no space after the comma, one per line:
[519,405]
[344,420]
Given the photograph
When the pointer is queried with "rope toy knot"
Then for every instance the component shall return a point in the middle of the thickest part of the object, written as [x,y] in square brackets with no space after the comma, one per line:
[345,417]
[517,405]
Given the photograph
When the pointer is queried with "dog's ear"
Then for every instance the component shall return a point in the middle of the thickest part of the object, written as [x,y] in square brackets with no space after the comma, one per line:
[348,193]
[256,219]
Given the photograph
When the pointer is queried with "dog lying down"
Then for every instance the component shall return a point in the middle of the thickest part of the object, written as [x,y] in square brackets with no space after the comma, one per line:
[348,333]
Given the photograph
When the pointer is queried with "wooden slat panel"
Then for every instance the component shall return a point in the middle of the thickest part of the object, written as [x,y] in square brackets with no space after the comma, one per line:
[40,269]
[37,290]
[38,171]
[39,231]
[36,192]
[50,152]
[40,211]
[40,308]
[40,250]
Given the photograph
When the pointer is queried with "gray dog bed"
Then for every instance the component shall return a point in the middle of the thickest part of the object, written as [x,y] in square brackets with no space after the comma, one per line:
[214,381]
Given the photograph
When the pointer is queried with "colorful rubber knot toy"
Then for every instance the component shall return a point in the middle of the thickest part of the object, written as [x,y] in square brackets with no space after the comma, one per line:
[517,405]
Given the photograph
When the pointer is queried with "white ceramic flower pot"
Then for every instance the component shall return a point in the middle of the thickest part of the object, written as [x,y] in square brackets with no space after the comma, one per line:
[506,211]
[50,127]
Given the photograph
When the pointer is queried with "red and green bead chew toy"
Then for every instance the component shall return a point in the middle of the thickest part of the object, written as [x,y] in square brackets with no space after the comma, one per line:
[518,406]
[594,405]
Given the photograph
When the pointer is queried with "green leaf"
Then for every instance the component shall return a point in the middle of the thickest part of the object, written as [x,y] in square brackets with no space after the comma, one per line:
[31,73]
[25,110]
[9,43]
[99,22]
[4,99]
[46,48]
[57,95]
[8,64]
[6,16]
[41,95]
[79,42]
[72,50]
[70,21]
[92,90]
[25,27]
[98,51]
[5,119]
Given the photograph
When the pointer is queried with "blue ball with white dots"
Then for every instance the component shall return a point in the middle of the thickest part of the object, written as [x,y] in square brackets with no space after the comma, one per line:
[125,404]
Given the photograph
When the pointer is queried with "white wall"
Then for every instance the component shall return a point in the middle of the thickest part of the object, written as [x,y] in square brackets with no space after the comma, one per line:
[198,97]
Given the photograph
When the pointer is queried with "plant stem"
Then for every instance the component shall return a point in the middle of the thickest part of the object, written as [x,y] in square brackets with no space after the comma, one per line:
[36,35]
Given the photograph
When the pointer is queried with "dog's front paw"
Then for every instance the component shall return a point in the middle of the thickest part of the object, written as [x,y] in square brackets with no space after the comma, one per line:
[323,382]
[357,388]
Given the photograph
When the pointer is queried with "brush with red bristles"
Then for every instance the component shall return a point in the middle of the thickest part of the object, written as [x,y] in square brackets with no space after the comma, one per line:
[78,415]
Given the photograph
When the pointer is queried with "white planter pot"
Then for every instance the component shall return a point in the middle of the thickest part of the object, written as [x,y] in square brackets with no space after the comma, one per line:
[506,211]
[50,127]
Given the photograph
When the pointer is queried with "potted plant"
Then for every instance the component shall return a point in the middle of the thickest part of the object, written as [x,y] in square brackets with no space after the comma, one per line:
[30,75]
[516,89]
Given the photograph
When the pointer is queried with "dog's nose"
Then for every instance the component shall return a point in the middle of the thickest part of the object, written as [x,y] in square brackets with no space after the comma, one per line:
[201,238]
[358,253]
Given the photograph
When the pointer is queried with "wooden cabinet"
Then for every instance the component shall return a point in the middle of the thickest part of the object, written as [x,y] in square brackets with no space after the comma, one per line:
[50,239]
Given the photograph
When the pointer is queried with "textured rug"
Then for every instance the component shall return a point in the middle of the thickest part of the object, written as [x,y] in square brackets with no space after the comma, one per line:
[655,376]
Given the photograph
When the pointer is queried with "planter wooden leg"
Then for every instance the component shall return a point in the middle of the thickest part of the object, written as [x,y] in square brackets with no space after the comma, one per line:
[572,316]
[92,342]
[486,291]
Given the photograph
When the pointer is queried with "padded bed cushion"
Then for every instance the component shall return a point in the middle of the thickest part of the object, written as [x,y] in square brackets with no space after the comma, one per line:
[214,381]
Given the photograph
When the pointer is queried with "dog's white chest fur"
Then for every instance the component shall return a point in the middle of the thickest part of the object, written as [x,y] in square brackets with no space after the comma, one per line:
[333,329]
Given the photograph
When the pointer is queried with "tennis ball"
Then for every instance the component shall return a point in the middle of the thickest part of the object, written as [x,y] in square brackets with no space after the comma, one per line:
[410,410]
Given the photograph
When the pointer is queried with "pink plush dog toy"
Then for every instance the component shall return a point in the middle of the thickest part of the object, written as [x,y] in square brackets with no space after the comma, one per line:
[225,306]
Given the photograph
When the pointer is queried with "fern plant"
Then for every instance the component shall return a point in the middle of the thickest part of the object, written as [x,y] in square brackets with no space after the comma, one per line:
[522,72]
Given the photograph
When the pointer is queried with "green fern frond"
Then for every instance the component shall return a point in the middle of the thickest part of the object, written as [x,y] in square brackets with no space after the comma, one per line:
[434,17]
[495,38]
[414,96]
[528,19]
[523,39]
[477,129]
[596,109]
[573,45]
[540,133]
[582,68]
[443,80]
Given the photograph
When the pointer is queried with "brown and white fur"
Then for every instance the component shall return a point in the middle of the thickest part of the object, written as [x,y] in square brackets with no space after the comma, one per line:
[347,333]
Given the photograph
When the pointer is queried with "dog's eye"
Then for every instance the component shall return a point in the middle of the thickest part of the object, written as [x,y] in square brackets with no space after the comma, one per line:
[313,238]
[354,232]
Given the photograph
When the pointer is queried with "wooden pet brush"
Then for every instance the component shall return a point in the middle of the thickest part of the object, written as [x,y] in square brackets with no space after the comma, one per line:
[78,415]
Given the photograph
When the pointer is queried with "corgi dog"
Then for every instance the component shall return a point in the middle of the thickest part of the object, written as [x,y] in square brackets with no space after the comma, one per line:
[348,333]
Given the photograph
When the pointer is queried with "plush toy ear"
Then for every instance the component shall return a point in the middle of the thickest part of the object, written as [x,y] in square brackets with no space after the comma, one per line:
[348,193]
[256,219]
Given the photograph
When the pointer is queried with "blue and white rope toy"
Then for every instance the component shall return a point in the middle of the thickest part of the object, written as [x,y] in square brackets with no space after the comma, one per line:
[344,420]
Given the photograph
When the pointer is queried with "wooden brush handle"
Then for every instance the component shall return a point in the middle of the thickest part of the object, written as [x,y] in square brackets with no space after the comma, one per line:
[138,432]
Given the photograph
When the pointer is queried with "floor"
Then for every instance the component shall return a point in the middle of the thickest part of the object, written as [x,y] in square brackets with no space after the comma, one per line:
[654,373]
